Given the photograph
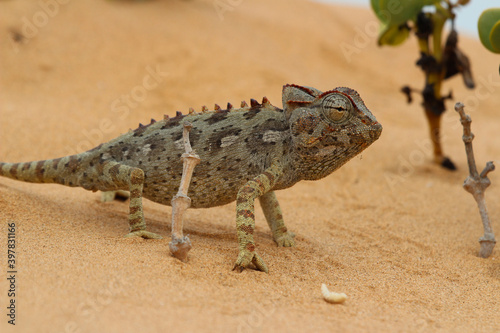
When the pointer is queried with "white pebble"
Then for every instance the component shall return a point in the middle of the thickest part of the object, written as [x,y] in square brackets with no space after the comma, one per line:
[332,297]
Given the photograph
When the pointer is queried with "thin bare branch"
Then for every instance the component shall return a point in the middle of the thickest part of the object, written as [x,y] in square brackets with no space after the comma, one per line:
[476,183]
[180,244]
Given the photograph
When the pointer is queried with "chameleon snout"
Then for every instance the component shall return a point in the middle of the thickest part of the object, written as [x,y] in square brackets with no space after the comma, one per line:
[375,131]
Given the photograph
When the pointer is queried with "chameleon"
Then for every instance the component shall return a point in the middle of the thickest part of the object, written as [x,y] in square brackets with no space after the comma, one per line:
[246,153]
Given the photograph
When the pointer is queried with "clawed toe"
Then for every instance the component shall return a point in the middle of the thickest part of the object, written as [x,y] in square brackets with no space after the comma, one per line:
[247,257]
[286,239]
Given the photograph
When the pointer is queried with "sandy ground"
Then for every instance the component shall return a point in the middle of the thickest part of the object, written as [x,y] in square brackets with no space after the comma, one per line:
[390,229]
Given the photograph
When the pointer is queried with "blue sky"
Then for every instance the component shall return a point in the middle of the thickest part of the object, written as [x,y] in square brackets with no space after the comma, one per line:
[467,16]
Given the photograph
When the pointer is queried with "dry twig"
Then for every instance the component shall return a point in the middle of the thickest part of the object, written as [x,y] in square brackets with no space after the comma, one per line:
[180,244]
[477,183]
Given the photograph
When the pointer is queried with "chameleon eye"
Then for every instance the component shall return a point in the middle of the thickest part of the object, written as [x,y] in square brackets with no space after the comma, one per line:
[336,108]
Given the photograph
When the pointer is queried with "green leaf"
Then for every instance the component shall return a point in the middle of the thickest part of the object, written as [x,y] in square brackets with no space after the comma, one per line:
[376,9]
[488,29]
[397,12]
[495,37]
[393,35]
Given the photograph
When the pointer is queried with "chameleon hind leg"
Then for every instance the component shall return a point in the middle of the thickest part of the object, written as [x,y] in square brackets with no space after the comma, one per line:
[245,217]
[274,217]
[120,175]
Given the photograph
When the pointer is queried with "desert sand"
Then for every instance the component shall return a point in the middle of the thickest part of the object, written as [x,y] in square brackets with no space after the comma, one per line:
[393,231]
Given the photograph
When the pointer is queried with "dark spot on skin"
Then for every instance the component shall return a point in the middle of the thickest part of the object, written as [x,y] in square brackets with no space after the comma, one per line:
[124,148]
[139,132]
[216,117]
[194,136]
[155,167]
[276,125]
[172,122]
[176,136]
[251,113]
[55,163]
[216,138]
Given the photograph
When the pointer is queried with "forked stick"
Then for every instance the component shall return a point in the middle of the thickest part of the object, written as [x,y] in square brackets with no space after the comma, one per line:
[180,244]
[476,184]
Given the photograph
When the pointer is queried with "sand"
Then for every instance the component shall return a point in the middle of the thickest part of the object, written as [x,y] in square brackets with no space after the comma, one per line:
[392,230]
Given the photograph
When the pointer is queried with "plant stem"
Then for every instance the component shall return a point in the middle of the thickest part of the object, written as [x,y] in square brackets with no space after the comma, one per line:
[476,184]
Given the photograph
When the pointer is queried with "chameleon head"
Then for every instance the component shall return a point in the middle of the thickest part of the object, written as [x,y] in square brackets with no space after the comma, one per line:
[327,129]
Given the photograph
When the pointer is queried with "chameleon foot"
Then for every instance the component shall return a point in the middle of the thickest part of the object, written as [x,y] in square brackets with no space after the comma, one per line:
[245,258]
[286,239]
[144,234]
[180,248]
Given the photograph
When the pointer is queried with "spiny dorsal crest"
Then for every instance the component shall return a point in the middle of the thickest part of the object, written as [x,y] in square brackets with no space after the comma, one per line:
[217,109]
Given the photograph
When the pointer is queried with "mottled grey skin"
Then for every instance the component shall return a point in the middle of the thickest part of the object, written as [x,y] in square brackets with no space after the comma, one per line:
[245,153]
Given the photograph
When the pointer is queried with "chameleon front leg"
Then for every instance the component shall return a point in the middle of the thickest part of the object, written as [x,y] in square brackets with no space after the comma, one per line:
[274,217]
[118,175]
[245,217]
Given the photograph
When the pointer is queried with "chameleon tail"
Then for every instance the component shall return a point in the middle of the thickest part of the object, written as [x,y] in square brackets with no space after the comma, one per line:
[62,170]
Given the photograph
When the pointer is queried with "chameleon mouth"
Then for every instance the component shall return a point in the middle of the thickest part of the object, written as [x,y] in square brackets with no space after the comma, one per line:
[375,131]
